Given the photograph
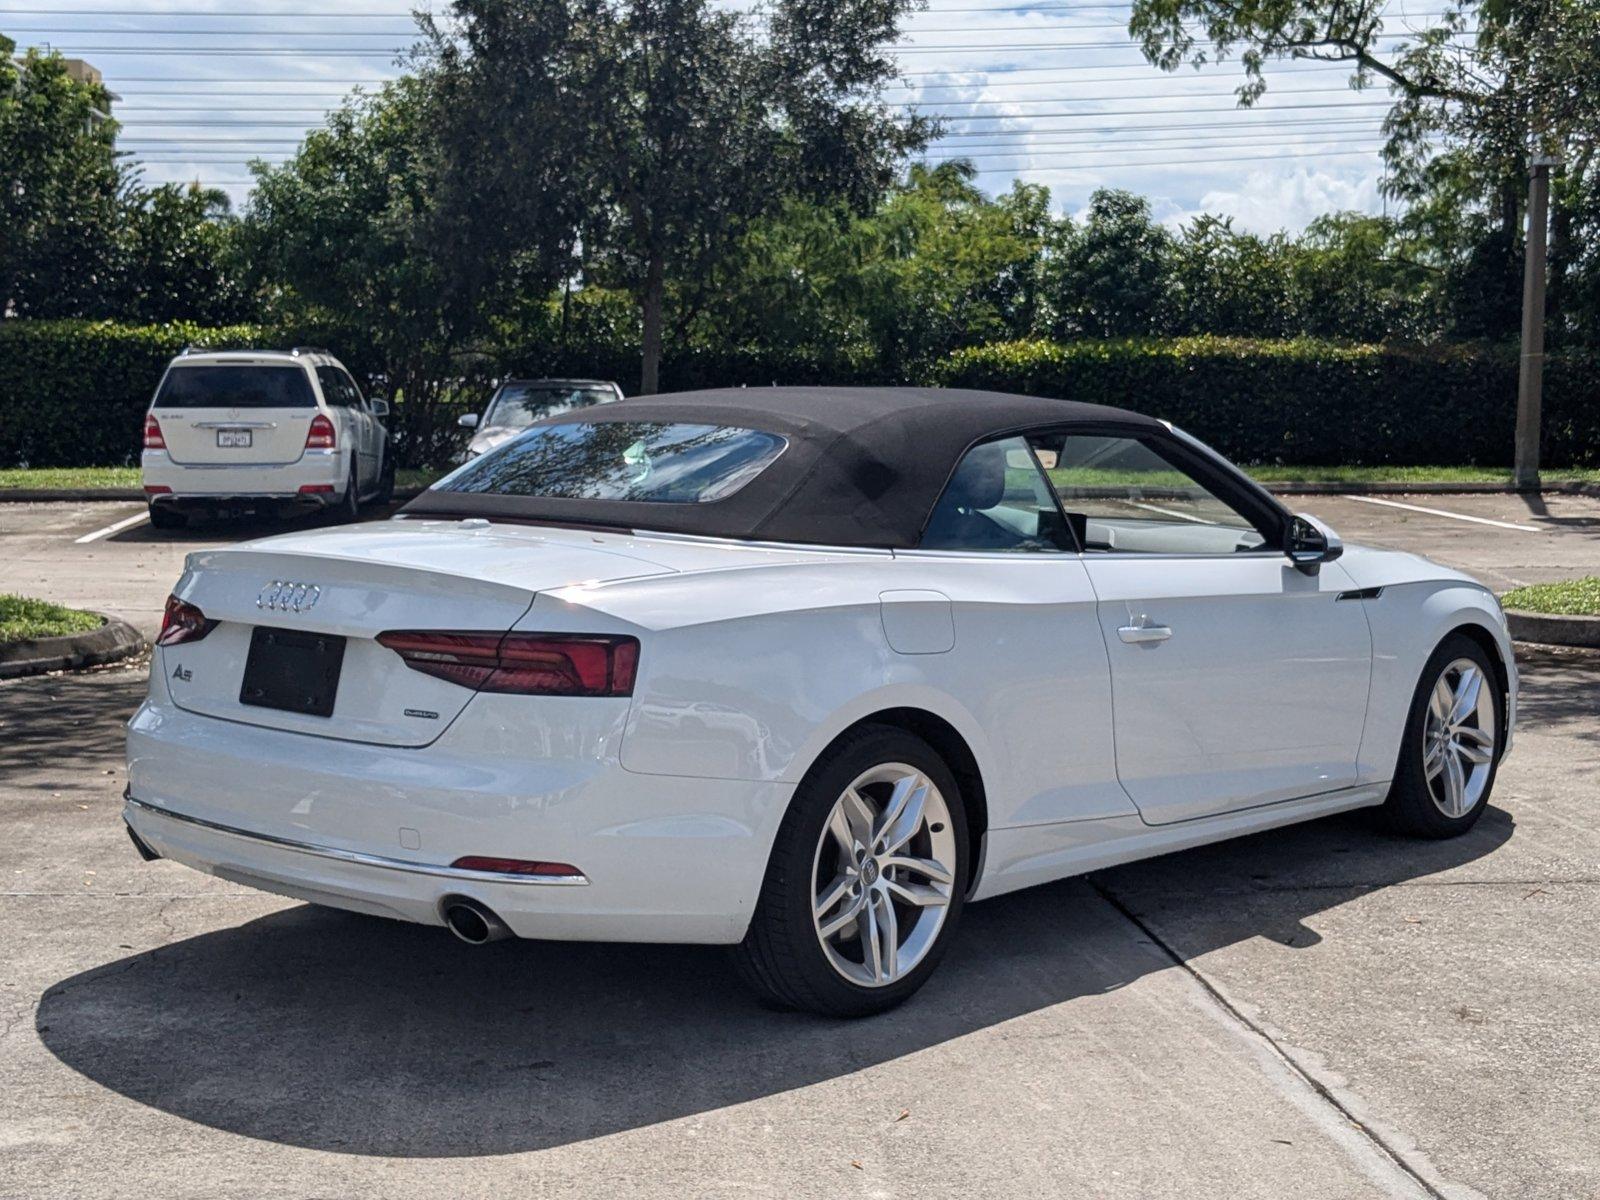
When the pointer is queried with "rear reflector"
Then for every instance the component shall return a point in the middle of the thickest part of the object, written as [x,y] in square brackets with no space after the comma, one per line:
[182,623]
[152,434]
[320,436]
[157,489]
[533,664]
[516,866]
[312,489]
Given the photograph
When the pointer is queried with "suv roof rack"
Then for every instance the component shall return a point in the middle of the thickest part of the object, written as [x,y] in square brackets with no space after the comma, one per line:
[188,350]
[299,350]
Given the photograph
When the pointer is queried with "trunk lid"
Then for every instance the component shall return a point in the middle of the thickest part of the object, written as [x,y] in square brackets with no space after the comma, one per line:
[355,584]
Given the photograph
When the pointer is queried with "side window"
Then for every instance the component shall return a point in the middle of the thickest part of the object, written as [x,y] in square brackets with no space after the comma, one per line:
[1119,494]
[355,392]
[997,500]
[336,388]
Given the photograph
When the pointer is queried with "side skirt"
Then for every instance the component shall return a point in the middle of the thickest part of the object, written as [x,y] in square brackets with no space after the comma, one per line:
[1023,857]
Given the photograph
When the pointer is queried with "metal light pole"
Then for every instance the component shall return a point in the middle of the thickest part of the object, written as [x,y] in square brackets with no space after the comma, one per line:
[1530,375]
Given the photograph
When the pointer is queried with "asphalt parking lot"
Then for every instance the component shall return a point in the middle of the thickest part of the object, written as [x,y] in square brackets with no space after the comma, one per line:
[1322,1011]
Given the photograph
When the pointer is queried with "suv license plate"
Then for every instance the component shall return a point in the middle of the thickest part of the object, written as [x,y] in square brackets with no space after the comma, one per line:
[233,437]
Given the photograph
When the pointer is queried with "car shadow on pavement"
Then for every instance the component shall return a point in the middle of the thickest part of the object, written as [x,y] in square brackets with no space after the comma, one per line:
[329,1031]
[210,530]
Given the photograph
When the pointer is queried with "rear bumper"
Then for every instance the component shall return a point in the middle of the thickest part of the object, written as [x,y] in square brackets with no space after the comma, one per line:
[277,485]
[375,884]
[664,858]
[282,505]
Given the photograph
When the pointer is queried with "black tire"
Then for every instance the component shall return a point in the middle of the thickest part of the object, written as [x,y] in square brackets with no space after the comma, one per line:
[386,480]
[349,507]
[782,957]
[1413,806]
[163,517]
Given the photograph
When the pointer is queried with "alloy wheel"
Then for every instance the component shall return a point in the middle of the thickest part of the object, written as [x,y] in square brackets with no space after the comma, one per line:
[1458,737]
[883,875]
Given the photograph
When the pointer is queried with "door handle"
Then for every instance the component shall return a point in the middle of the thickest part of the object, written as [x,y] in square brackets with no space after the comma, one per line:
[1143,630]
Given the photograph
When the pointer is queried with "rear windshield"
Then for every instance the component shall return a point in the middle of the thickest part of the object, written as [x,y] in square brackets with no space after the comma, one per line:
[621,460]
[236,387]
[519,404]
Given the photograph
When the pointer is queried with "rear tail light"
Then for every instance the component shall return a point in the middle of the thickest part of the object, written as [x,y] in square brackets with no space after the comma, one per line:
[182,623]
[534,664]
[321,435]
[516,866]
[152,434]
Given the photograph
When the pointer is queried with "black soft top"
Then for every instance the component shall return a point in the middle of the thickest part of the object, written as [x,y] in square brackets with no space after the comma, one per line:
[863,466]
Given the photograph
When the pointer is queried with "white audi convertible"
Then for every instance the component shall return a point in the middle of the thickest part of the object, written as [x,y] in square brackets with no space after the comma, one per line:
[801,671]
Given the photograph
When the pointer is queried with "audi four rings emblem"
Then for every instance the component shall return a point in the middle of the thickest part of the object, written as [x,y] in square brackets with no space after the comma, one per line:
[286,596]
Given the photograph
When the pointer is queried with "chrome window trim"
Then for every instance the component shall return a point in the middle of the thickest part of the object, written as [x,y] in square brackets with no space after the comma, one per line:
[1088,555]
[357,857]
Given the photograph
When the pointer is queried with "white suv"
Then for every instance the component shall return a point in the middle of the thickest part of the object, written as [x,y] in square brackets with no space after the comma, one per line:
[284,431]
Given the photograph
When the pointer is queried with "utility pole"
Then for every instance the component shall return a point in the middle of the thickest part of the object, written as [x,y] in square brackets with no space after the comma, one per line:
[1530,373]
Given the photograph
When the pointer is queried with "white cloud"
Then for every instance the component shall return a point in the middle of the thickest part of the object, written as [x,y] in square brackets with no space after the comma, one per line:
[1269,200]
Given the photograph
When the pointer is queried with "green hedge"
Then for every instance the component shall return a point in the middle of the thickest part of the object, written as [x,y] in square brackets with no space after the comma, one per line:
[74,393]
[1309,403]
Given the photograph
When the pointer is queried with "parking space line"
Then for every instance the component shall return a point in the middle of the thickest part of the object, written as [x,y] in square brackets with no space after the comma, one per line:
[1169,512]
[1439,512]
[126,523]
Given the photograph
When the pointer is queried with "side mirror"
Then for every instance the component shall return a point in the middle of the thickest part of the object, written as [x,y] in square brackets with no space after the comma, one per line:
[1309,543]
[380,408]
[467,420]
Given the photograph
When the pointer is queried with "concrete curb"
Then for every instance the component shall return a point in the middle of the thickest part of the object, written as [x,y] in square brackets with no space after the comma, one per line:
[46,495]
[131,495]
[1573,488]
[112,642]
[1553,629]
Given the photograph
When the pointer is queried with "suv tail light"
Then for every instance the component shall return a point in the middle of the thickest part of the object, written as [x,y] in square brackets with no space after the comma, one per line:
[182,623]
[532,664]
[152,434]
[321,435]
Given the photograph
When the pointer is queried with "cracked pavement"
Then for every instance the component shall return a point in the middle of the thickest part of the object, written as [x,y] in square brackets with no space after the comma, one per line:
[1320,1010]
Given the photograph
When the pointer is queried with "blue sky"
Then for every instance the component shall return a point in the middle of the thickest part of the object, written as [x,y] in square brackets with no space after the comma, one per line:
[1053,92]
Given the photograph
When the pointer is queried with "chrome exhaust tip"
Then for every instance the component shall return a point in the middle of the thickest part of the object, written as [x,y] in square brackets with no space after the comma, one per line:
[474,923]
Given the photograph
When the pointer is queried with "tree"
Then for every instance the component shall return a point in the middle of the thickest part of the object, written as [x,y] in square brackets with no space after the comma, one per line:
[60,189]
[1113,276]
[676,125]
[1477,89]
[178,260]
[346,237]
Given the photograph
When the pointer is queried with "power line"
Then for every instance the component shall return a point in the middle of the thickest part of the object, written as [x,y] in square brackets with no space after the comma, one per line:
[291,87]
[1139,70]
[1178,162]
[1139,112]
[1122,128]
[1069,157]
[57,11]
[1167,97]
[898,48]
[1244,136]
[224,52]
[274,33]
[1275,132]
